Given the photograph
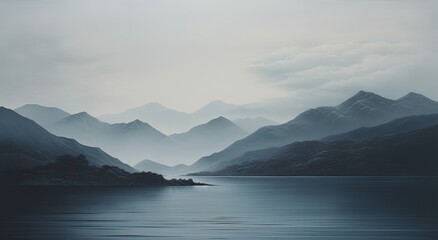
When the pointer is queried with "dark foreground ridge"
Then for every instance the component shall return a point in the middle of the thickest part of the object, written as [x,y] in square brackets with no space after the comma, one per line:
[76,171]
[412,153]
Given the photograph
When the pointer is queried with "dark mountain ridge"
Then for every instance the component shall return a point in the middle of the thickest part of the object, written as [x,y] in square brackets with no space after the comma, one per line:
[361,110]
[411,153]
[23,143]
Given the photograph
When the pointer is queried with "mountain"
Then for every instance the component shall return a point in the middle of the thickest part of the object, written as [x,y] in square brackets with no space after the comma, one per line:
[252,124]
[216,134]
[213,109]
[396,126]
[82,127]
[171,121]
[363,109]
[137,140]
[23,143]
[128,141]
[204,139]
[44,116]
[151,166]
[411,153]
[165,119]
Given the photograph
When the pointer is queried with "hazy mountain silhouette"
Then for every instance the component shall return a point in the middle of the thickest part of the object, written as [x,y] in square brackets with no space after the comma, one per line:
[171,121]
[388,149]
[148,165]
[82,127]
[363,109]
[44,116]
[23,143]
[213,135]
[127,141]
[252,124]
[165,119]
[212,109]
[207,138]
[137,140]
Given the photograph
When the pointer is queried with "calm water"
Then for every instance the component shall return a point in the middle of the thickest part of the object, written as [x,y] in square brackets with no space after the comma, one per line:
[333,208]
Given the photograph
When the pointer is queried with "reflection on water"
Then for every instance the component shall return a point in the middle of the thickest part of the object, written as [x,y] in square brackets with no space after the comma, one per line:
[236,208]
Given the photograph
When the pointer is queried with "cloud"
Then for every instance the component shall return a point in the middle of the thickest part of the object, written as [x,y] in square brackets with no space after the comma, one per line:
[308,67]
[327,74]
[33,65]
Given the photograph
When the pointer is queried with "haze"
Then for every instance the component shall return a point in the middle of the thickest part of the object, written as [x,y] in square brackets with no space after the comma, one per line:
[107,56]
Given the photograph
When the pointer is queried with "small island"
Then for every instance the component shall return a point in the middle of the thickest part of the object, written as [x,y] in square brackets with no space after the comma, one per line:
[76,171]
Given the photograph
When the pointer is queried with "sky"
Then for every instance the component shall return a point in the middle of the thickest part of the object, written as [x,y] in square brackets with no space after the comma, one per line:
[105,56]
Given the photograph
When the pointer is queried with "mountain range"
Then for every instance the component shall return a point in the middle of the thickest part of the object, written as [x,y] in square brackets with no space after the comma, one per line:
[361,110]
[24,144]
[219,143]
[138,140]
[406,146]
[171,121]
[128,141]
[201,140]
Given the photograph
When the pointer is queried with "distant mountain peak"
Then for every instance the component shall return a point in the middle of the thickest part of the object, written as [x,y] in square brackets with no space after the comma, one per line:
[138,123]
[217,105]
[362,98]
[365,95]
[32,105]
[81,117]
[44,116]
[217,124]
[220,119]
[37,106]
[153,107]
[414,96]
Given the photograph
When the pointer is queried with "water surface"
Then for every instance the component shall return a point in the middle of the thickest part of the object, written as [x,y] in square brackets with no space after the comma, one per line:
[314,208]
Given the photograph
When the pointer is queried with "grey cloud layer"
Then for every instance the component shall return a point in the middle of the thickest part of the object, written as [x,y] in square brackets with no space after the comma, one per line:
[107,56]
[315,66]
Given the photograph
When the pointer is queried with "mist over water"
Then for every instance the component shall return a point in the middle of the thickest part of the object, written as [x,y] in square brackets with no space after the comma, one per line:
[235,208]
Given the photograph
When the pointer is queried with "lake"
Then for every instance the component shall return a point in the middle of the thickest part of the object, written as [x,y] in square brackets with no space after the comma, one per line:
[312,208]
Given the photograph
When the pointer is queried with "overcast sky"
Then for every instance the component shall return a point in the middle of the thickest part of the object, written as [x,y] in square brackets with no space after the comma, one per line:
[104,56]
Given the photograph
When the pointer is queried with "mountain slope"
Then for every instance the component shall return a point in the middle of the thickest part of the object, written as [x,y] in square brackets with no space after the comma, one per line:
[252,124]
[128,141]
[204,139]
[408,153]
[363,109]
[171,121]
[23,143]
[397,126]
[165,119]
[211,134]
[44,116]
[213,109]
[137,140]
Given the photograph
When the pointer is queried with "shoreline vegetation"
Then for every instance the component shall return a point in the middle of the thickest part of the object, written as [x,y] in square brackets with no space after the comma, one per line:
[76,171]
